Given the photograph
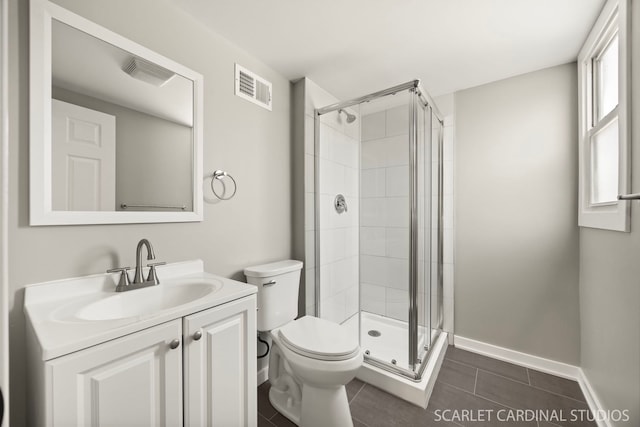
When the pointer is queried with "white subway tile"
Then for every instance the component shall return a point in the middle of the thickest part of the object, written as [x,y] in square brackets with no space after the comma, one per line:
[398,121]
[333,308]
[352,244]
[373,292]
[397,242]
[396,211]
[373,182]
[372,298]
[326,137]
[372,154]
[352,301]
[397,305]
[373,270]
[397,181]
[332,245]
[325,210]
[373,212]
[326,286]
[373,126]
[351,178]
[396,272]
[373,241]
[373,306]
[395,150]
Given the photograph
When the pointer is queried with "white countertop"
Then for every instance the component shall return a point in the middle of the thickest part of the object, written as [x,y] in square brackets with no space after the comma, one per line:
[52,308]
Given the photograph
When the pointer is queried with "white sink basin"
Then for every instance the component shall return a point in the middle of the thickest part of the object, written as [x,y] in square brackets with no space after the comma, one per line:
[146,301]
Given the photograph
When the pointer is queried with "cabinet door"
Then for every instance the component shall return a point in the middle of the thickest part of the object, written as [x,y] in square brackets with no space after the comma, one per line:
[131,381]
[220,365]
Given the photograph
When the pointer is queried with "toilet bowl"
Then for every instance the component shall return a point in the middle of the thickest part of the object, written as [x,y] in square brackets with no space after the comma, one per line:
[311,359]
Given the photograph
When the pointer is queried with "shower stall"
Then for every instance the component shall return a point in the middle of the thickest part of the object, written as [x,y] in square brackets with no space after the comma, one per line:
[378,225]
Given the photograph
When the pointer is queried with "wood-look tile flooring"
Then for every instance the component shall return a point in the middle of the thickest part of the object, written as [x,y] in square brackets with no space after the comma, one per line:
[467,381]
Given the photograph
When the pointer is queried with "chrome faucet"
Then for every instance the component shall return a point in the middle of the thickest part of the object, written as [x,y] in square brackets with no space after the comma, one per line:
[138,279]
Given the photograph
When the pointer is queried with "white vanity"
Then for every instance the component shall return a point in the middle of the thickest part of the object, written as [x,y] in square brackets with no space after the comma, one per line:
[179,353]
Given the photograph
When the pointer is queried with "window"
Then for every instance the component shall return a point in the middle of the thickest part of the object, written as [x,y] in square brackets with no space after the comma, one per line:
[604,136]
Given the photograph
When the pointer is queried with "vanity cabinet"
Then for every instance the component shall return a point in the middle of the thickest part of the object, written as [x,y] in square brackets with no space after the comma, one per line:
[220,365]
[196,370]
[134,380]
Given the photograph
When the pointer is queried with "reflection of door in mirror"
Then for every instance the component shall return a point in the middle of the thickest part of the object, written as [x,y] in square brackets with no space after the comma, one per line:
[83,158]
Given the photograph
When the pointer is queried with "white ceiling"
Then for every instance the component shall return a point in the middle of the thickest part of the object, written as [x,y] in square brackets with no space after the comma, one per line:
[87,65]
[353,47]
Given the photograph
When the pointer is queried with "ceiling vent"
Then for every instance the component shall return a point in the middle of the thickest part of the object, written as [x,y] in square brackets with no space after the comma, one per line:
[253,87]
[148,72]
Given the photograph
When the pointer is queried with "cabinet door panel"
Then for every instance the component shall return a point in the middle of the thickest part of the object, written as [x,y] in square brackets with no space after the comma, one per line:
[220,367]
[131,381]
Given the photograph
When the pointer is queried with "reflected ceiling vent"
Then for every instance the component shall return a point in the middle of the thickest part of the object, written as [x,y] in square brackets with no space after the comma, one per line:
[148,72]
[253,87]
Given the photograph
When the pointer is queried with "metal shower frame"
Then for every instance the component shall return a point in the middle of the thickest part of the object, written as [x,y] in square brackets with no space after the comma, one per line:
[421,95]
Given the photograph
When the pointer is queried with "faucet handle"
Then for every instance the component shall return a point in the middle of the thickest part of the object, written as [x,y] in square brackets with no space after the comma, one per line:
[124,277]
[153,277]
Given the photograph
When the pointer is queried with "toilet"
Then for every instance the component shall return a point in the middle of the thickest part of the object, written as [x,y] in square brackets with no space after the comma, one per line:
[311,359]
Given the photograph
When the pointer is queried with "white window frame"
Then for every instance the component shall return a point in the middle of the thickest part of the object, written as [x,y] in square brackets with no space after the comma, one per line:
[614,215]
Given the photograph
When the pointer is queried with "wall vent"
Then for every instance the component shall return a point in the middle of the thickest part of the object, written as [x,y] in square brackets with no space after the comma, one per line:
[253,87]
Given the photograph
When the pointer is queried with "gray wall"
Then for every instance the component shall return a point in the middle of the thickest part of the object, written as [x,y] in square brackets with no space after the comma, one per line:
[610,288]
[516,266]
[240,137]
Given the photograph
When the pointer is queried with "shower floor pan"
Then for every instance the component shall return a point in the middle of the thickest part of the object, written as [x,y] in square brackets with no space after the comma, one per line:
[393,344]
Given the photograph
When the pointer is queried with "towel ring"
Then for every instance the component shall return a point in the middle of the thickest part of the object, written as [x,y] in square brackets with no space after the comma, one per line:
[220,175]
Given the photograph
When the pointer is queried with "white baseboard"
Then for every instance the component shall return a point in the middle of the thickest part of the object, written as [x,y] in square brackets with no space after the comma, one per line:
[591,397]
[538,363]
[548,366]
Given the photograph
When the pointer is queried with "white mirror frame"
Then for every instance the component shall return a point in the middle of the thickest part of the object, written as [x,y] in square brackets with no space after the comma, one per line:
[42,12]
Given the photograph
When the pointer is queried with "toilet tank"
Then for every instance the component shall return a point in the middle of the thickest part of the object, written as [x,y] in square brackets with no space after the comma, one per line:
[278,284]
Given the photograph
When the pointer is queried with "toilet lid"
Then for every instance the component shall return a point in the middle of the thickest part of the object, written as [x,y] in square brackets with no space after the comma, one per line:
[319,339]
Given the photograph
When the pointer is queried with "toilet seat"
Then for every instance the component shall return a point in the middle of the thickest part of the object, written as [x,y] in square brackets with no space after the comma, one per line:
[319,339]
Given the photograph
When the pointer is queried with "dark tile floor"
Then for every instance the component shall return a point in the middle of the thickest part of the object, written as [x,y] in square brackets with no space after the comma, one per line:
[488,391]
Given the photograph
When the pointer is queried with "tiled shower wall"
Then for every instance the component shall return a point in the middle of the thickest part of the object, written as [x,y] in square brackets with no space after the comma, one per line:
[339,173]
[384,220]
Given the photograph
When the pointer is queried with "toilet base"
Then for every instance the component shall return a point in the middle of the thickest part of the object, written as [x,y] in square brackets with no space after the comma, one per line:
[320,407]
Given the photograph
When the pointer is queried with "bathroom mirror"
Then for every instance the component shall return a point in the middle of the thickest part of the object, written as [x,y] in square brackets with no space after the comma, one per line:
[115,128]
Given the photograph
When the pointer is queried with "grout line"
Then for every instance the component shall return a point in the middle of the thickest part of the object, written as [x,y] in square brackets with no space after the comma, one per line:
[502,376]
[360,421]
[560,395]
[475,383]
[268,420]
[535,387]
[481,397]
[528,376]
[491,372]
[357,393]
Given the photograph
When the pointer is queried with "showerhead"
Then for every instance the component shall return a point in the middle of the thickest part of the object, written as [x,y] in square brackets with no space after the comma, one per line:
[350,117]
